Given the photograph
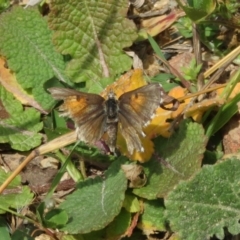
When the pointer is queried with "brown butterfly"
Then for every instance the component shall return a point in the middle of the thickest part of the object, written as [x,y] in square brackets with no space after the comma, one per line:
[94,115]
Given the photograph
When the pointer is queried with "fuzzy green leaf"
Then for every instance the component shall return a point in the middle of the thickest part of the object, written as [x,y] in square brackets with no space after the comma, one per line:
[25,41]
[4,229]
[94,33]
[55,218]
[15,196]
[153,218]
[179,158]
[119,225]
[19,127]
[131,203]
[97,201]
[16,201]
[202,207]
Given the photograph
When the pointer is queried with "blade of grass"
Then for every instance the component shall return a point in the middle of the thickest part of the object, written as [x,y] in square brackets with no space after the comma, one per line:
[226,112]
[59,175]
[71,169]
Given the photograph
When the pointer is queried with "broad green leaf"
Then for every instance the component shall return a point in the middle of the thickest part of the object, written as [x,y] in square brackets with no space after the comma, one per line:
[14,196]
[94,34]
[179,157]
[119,225]
[96,202]
[153,218]
[55,218]
[4,230]
[208,203]
[25,41]
[15,200]
[14,183]
[18,127]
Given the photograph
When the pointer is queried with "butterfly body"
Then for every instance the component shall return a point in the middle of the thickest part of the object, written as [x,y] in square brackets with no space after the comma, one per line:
[111,128]
[94,115]
[111,106]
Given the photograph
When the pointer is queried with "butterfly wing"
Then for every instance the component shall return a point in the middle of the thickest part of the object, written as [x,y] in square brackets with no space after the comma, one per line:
[130,135]
[136,109]
[86,110]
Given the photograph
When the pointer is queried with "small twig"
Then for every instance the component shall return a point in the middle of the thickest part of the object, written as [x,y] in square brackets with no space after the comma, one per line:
[46,148]
[198,54]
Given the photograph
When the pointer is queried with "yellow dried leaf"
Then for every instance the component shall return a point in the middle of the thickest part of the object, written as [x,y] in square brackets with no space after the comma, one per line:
[197,110]
[127,82]
[9,81]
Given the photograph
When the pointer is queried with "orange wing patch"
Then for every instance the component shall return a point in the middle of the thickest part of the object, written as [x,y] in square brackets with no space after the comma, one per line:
[136,102]
[75,105]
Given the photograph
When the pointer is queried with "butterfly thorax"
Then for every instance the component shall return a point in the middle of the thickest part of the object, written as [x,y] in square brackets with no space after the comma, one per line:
[111,108]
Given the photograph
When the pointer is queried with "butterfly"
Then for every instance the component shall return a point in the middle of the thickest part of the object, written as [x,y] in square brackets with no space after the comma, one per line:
[94,115]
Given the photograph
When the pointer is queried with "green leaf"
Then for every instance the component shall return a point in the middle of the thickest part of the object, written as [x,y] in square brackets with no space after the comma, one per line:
[179,158]
[96,235]
[131,203]
[224,114]
[199,9]
[97,201]
[119,226]
[19,127]
[55,218]
[14,183]
[93,154]
[25,41]
[191,71]
[16,201]
[226,111]
[184,26]
[15,196]
[156,47]
[97,88]
[94,34]
[153,218]
[4,4]
[4,231]
[22,234]
[40,212]
[163,78]
[209,202]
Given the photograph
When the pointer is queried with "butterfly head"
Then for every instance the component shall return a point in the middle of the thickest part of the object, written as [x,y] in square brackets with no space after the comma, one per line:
[111,95]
